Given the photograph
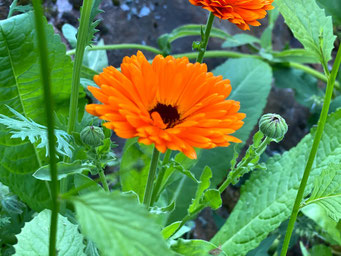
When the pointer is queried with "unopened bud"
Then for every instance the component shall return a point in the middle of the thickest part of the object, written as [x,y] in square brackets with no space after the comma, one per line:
[273,126]
[92,136]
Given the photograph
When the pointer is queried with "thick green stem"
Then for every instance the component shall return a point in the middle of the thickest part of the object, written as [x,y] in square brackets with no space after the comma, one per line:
[317,138]
[157,189]
[217,54]
[151,177]
[119,46]
[82,40]
[103,180]
[48,104]
[204,41]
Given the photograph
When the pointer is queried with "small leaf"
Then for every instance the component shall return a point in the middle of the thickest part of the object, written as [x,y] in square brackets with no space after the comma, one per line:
[117,223]
[168,231]
[96,60]
[34,237]
[159,210]
[196,248]
[64,170]
[212,199]
[69,32]
[240,39]
[202,186]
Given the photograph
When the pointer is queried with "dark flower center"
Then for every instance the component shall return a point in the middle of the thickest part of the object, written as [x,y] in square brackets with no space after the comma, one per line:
[169,114]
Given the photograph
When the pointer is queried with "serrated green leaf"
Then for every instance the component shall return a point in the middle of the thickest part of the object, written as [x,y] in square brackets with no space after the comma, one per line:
[196,247]
[34,237]
[267,198]
[332,7]
[310,26]
[327,191]
[64,170]
[240,39]
[21,89]
[251,82]
[117,223]
[22,127]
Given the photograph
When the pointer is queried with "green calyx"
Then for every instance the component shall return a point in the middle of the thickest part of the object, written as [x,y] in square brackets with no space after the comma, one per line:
[273,126]
[92,136]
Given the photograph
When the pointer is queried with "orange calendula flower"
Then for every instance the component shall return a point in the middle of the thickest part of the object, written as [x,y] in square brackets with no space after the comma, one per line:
[171,103]
[240,12]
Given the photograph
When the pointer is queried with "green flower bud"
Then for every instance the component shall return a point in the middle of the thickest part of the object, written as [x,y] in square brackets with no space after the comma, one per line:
[92,136]
[273,126]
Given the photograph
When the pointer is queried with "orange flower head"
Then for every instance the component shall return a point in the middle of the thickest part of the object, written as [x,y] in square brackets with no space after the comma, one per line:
[170,102]
[240,12]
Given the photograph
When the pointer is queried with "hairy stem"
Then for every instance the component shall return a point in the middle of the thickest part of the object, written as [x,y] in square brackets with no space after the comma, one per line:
[103,180]
[82,41]
[204,41]
[313,151]
[48,104]
[151,177]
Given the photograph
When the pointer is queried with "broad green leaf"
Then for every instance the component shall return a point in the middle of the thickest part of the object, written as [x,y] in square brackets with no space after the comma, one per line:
[34,237]
[327,191]
[117,223]
[196,248]
[21,89]
[134,167]
[268,196]
[202,186]
[240,39]
[64,169]
[329,226]
[80,180]
[310,26]
[332,7]
[251,83]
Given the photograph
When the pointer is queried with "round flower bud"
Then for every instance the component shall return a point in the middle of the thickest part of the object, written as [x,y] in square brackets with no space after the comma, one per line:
[273,126]
[92,136]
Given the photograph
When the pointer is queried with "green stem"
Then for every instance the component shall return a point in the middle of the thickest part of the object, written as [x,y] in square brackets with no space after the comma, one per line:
[119,46]
[157,189]
[151,176]
[11,8]
[48,104]
[82,41]
[242,164]
[317,138]
[204,41]
[103,180]
[217,54]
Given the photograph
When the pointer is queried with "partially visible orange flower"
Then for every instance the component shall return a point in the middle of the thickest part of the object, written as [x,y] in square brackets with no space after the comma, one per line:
[240,12]
[171,103]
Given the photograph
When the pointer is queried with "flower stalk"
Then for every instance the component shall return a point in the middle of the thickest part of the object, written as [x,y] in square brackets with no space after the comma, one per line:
[204,41]
[48,101]
[318,135]
[80,48]
[147,198]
